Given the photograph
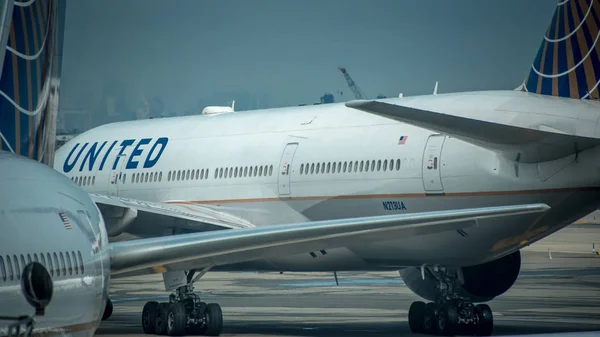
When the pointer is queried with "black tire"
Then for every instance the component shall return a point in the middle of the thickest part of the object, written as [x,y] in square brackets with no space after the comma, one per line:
[176,319]
[161,318]
[430,317]
[149,317]
[107,310]
[416,313]
[214,320]
[485,324]
[448,320]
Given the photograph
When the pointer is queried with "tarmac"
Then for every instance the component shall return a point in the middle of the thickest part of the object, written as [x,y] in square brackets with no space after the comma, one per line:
[558,290]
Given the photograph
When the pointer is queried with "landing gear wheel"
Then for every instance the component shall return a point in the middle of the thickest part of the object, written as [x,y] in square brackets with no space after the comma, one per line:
[107,310]
[485,324]
[214,320]
[448,320]
[162,311]
[430,318]
[176,319]
[416,312]
[149,317]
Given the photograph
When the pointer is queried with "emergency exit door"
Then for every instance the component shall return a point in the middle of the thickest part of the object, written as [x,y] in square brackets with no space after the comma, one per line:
[285,169]
[432,179]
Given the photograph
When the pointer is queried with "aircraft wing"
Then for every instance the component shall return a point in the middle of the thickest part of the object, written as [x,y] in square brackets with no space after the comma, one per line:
[171,253]
[122,214]
[517,143]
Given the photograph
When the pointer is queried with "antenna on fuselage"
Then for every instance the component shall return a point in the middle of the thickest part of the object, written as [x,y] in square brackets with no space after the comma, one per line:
[435,89]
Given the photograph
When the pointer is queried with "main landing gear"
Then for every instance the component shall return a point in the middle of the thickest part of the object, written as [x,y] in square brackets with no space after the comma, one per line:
[184,314]
[450,314]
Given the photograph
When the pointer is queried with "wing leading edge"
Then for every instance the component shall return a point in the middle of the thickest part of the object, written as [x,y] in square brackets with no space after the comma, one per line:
[231,246]
[517,143]
[129,215]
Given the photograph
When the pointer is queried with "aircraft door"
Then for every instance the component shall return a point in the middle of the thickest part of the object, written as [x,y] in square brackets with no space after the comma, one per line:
[432,180]
[117,176]
[285,169]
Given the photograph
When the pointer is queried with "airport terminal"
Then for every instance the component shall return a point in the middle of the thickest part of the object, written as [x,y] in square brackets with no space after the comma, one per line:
[125,212]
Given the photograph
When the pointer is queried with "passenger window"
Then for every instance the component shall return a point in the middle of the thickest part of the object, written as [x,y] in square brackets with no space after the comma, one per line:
[339,166]
[178,175]
[372,165]
[356,166]
[35,257]
[301,168]
[345,166]
[379,165]
[328,167]
[397,164]
[23,260]
[74,259]
[69,266]
[187,177]
[17,267]
[260,172]
[29,258]
[226,171]
[160,176]
[63,265]
[56,264]
[245,171]
[221,172]
[333,167]
[2,269]
[124,179]
[80,261]
[362,164]
[255,171]
[133,178]
[206,174]
[169,176]
[271,170]
[197,174]
[50,265]
[10,268]
[236,172]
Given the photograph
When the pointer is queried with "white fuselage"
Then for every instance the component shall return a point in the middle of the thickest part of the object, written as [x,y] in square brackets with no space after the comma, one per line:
[46,218]
[323,162]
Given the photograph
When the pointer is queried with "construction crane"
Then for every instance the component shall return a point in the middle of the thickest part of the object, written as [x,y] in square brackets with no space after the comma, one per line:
[355,89]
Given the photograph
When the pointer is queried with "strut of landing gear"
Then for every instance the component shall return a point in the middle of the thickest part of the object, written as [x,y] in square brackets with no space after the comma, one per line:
[183,314]
[450,314]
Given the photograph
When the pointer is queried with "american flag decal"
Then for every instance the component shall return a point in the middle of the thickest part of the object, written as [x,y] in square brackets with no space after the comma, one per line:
[402,140]
[65,220]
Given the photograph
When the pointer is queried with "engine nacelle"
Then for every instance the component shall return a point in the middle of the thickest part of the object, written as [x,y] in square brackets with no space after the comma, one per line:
[478,283]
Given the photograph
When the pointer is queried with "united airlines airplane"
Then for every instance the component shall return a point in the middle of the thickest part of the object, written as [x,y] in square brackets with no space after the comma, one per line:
[444,188]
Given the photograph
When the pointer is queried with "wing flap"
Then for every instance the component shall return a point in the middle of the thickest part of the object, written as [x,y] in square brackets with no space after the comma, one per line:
[226,247]
[517,143]
[145,218]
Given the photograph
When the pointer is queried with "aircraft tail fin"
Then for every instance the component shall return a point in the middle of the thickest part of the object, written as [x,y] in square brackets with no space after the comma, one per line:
[30,76]
[567,63]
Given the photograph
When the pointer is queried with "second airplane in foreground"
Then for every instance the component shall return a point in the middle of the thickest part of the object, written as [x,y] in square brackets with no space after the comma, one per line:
[441,169]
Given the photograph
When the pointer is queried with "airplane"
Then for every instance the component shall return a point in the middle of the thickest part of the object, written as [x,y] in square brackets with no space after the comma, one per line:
[55,257]
[182,184]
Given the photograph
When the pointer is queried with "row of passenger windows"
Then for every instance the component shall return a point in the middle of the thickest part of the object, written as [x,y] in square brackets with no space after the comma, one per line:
[255,171]
[84,181]
[144,177]
[188,175]
[352,166]
[57,264]
[245,171]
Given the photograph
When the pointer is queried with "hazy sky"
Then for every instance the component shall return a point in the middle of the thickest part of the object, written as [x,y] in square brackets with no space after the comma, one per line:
[288,51]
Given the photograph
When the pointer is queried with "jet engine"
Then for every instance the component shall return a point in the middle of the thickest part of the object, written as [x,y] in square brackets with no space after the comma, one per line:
[479,283]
